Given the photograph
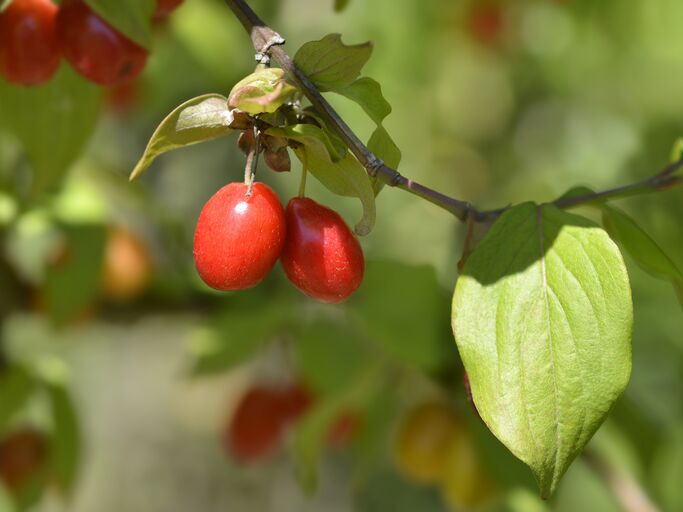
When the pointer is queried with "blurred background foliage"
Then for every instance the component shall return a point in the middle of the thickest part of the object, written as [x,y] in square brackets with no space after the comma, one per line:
[112,344]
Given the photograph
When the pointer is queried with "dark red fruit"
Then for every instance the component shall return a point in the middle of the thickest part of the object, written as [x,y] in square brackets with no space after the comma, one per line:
[321,256]
[94,48]
[256,428]
[29,48]
[23,455]
[297,399]
[485,23]
[165,7]
[238,239]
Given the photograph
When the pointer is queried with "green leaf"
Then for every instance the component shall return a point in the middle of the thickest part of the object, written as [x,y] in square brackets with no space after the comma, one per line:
[367,93]
[197,120]
[542,316]
[678,287]
[389,491]
[53,122]
[16,385]
[400,306]
[329,356]
[576,192]
[264,91]
[73,282]
[677,151]
[235,335]
[642,248]
[66,444]
[667,469]
[341,174]
[331,64]
[133,18]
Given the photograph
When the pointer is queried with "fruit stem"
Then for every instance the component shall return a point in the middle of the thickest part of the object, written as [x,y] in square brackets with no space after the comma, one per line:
[304,174]
[252,162]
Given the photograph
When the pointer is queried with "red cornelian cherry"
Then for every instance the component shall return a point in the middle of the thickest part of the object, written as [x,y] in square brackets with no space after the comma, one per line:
[321,256]
[165,7]
[29,48]
[256,427]
[94,48]
[239,238]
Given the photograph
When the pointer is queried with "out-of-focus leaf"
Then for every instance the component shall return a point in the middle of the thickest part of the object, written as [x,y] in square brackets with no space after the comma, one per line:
[264,91]
[197,120]
[133,18]
[16,386]
[235,335]
[375,431]
[73,281]
[677,152]
[331,64]
[576,192]
[343,176]
[389,491]
[66,443]
[329,356]
[340,5]
[667,469]
[542,316]
[53,122]
[313,429]
[402,307]
[639,245]
[642,247]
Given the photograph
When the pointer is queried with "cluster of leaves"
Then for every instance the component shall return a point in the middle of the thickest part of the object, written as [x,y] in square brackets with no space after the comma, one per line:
[266,99]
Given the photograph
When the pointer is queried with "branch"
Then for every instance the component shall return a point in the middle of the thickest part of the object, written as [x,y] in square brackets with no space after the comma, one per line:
[266,41]
[630,495]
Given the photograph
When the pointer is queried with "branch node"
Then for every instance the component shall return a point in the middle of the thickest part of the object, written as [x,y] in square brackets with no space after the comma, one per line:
[262,56]
[374,165]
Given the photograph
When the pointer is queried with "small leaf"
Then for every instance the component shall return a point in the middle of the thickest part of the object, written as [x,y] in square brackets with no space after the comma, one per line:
[367,93]
[264,91]
[342,175]
[576,192]
[16,386]
[197,120]
[642,248]
[65,452]
[677,151]
[133,18]
[53,122]
[542,317]
[331,64]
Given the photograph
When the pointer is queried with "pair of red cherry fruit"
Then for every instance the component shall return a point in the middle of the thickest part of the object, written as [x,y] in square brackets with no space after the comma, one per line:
[264,413]
[34,34]
[239,238]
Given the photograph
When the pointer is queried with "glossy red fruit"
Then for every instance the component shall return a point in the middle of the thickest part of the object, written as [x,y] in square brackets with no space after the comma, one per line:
[165,7]
[23,455]
[238,239]
[94,48]
[256,428]
[29,48]
[321,256]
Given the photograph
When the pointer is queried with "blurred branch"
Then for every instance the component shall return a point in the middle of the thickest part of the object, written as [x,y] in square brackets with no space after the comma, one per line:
[268,42]
[630,495]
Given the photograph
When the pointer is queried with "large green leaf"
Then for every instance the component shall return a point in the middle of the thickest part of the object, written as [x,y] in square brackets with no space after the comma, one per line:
[53,122]
[133,18]
[331,64]
[341,174]
[542,316]
[197,120]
